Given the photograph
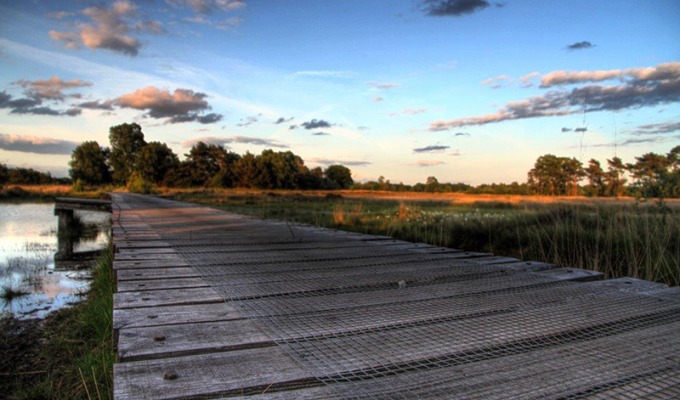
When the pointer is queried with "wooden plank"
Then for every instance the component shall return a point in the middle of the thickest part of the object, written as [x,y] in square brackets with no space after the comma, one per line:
[138,274]
[149,264]
[155,298]
[161,284]
[189,339]
[231,373]
[177,314]
[123,251]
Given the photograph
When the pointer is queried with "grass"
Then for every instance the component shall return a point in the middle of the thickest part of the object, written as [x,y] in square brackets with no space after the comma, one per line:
[72,357]
[618,238]
[47,193]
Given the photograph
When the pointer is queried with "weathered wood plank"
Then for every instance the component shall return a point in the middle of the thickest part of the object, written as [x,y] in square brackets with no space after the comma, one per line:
[131,264]
[155,298]
[235,372]
[161,284]
[189,339]
[139,274]
[177,314]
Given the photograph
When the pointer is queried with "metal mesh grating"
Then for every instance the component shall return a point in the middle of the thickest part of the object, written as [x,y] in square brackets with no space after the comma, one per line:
[370,319]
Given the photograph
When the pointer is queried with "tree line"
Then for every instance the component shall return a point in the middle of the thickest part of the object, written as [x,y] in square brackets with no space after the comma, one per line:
[651,175]
[28,176]
[133,162]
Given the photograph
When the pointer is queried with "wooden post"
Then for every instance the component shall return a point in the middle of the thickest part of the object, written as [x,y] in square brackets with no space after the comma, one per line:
[64,238]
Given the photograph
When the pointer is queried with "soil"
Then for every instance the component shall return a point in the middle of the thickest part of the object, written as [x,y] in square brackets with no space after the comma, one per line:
[20,345]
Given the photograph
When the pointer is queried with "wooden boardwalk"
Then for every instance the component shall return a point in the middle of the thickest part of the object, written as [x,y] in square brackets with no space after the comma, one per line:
[216,305]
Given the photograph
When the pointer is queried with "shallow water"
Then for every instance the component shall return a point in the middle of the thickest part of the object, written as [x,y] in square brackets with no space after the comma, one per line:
[28,241]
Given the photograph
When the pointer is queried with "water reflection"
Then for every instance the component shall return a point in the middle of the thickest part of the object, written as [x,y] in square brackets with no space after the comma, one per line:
[28,241]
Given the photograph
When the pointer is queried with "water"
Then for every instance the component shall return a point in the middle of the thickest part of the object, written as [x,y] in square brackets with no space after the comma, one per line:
[28,242]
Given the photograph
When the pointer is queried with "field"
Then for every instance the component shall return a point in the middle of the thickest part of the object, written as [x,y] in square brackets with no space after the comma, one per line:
[619,237]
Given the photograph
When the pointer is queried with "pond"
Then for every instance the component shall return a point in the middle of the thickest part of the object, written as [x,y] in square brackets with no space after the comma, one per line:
[31,284]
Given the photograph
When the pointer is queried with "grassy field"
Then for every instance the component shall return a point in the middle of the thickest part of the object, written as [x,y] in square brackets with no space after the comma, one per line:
[619,237]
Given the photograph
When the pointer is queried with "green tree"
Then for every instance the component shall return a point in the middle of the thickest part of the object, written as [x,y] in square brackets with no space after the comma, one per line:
[246,171]
[4,175]
[595,175]
[279,170]
[89,164]
[126,141]
[338,177]
[555,176]
[431,184]
[614,178]
[649,172]
[155,161]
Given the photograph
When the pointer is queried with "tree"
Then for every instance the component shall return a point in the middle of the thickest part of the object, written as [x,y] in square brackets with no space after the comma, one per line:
[595,175]
[431,184]
[614,177]
[89,164]
[338,177]
[155,161]
[555,176]
[126,141]
[650,171]
[4,174]
[246,171]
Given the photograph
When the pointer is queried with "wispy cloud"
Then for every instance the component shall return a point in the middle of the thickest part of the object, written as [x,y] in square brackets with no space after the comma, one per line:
[427,163]
[431,149]
[222,141]
[643,87]
[248,121]
[383,85]
[37,145]
[108,28]
[283,120]
[497,82]
[321,134]
[325,74]
[206,7]
[662,72]
[410,111]
[580,45]
[653,129]
[331,161]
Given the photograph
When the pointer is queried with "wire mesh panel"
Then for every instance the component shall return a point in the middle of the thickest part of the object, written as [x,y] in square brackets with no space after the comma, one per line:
[370,318]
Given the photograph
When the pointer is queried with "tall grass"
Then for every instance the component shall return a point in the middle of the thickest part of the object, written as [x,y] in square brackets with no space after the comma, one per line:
[640,241]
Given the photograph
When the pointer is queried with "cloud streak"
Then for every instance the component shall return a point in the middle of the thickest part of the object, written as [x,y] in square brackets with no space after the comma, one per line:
[431,149]
[654,129]
[643,87]
[222,141]
[580,45]
[331,161]
[37,145]
[455,8]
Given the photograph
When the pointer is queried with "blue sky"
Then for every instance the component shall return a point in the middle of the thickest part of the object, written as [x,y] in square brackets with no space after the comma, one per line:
[464,90]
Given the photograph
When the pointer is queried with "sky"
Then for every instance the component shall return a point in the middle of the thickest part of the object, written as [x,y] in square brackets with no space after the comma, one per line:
[469,91]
